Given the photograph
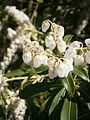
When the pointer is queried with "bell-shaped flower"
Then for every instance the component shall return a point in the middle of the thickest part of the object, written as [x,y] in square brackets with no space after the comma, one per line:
[52,73]
[87,41]
[39,60]
[79,60]
[58,29]
[75,44]
[52,68]
[64,68]
[61,69]
[50,42]
[70,53]
[61,45]
[45,25]
[27,57]
[11,33]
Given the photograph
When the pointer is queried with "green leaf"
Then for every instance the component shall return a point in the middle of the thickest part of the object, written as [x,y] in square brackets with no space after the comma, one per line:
[68,38]
[69,111]
[81,73]
[69,84]
[56,100]
[36,102]
[44,104]
[47,103]
[21,72]
[14,73]
[33,89]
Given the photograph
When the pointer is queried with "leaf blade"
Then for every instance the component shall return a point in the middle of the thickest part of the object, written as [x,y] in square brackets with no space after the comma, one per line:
[69,111]
[69,84]
[81,73]
[56,100]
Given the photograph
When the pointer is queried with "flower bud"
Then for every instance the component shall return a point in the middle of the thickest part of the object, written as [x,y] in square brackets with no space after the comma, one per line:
[87,41]
[79,60]
[45,25]
[50,43]
[61,45]
[27,57]
[75,44]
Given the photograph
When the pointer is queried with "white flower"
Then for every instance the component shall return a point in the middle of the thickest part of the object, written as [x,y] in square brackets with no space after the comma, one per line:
[20,109]
[3,66]
[51,62]
[52,73]
[10,9]
[75,44]
[69,66]
[45,60]
[64,68]
[61,69]
[11,33]
[50,42]
[39,60]
[19,16]
[70,53]
[88,57]
[17,41]
[87,41]
[58,29]
[79,60]
[27,57]
[52,68]
[61,45]
[45,25]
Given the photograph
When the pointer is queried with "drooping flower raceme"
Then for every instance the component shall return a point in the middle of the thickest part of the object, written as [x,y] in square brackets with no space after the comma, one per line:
[62,58]
[19,16]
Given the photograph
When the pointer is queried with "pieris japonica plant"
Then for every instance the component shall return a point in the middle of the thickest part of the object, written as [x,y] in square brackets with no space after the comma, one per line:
[55,74]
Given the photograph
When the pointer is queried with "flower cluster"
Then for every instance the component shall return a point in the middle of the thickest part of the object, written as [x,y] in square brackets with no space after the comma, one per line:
[16,104]
[66,56]
[17,37]
[58,56]
[12,100]
[18,16]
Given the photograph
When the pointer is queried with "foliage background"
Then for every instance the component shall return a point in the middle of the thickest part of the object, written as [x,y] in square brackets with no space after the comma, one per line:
[74,15]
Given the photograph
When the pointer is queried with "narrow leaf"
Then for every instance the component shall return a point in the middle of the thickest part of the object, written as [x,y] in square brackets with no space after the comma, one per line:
[69,84]
[69,111]
[68,38]
[81,73]
[56,100]
[44,104]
